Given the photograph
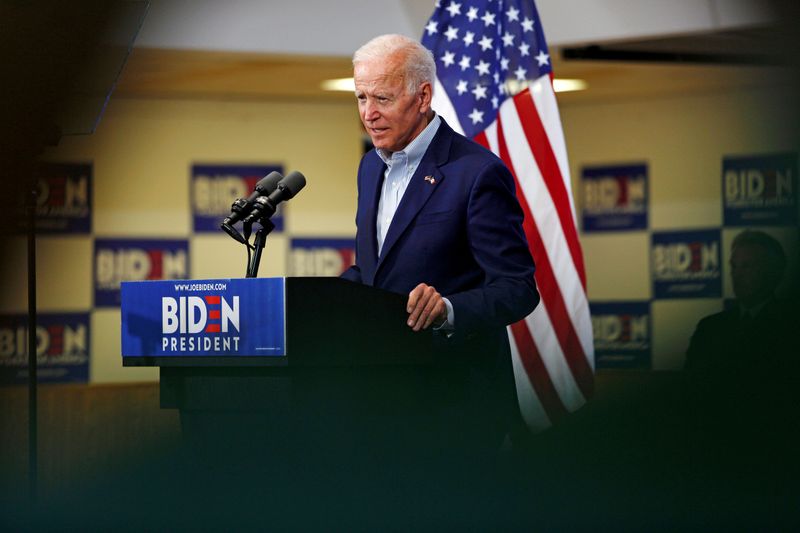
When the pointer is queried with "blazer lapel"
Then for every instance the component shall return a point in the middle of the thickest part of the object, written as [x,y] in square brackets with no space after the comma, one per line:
[371,189]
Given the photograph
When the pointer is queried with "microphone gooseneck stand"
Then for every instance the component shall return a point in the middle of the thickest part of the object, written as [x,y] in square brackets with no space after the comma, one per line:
[258,246]
[260,240]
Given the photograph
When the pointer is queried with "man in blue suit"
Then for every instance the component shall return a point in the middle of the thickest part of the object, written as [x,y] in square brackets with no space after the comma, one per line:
[438,219]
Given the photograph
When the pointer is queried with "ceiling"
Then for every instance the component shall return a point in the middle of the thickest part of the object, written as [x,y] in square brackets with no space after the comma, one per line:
[191,74]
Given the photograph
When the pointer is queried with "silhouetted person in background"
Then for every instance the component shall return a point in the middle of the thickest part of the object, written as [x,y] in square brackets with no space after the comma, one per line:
[742,384]
[757,335]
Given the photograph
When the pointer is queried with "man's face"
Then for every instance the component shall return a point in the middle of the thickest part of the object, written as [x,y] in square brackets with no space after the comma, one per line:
[750,274]
[391,116]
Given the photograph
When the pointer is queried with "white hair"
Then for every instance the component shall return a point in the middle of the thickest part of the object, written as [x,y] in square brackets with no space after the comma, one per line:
[418,64]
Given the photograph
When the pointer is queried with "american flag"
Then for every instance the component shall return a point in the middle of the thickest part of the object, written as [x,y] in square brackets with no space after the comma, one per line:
[494,85]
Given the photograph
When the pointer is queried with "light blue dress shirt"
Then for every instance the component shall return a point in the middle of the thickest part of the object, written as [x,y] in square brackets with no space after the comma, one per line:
[400,166]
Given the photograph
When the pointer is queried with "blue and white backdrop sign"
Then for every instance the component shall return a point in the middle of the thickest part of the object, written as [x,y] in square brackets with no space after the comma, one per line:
[215,187]
[622,337]
[118,260]
[686,264]
[64,198]
[760,190]
[213,317]
[62,348]
[615,197]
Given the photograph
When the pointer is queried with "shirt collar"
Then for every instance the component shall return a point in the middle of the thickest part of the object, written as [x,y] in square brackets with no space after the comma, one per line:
[417,147]
[752,311]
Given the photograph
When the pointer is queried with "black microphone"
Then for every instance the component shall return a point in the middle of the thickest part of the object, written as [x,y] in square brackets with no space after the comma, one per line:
[242,206]
[265,206]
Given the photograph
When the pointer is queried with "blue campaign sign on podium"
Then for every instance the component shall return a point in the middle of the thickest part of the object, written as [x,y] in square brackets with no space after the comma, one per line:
[213,317]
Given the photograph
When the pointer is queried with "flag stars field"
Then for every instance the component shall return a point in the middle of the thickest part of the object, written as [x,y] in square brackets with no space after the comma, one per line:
[476,116]
[451,33]
[527,25]
[482,68]
[454,8]
[448,59]
[542,58]
[479,91]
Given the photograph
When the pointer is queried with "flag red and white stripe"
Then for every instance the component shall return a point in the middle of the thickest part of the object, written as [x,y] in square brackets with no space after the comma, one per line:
[552,348]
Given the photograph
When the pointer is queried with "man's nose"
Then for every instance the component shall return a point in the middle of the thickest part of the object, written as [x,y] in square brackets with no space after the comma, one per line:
[370,111]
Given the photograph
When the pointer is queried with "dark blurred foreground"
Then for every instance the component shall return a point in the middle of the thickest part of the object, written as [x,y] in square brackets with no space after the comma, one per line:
[640,456]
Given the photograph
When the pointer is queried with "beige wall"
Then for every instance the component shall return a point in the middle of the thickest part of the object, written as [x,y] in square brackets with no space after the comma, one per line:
[683,141]
[143,149]
[142,152]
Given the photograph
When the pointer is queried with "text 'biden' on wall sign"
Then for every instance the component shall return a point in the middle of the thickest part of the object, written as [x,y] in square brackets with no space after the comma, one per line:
[760,190]
[614,197]
[686,264]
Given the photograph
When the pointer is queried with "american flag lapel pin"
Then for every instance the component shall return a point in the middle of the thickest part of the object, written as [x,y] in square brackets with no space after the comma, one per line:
[431,180]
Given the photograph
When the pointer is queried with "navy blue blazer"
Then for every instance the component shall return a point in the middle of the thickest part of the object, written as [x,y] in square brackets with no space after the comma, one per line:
[458,228]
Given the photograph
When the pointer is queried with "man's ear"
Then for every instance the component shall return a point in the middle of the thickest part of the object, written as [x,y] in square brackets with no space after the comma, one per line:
[425,95]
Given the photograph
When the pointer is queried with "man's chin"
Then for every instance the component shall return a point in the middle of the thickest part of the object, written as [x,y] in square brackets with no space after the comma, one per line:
[379,142]
[383,146]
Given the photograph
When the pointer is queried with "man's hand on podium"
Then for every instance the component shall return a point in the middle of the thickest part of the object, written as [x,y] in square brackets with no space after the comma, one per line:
[425,307]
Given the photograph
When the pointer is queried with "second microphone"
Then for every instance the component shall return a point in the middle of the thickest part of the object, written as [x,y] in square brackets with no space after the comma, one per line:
[265,206]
